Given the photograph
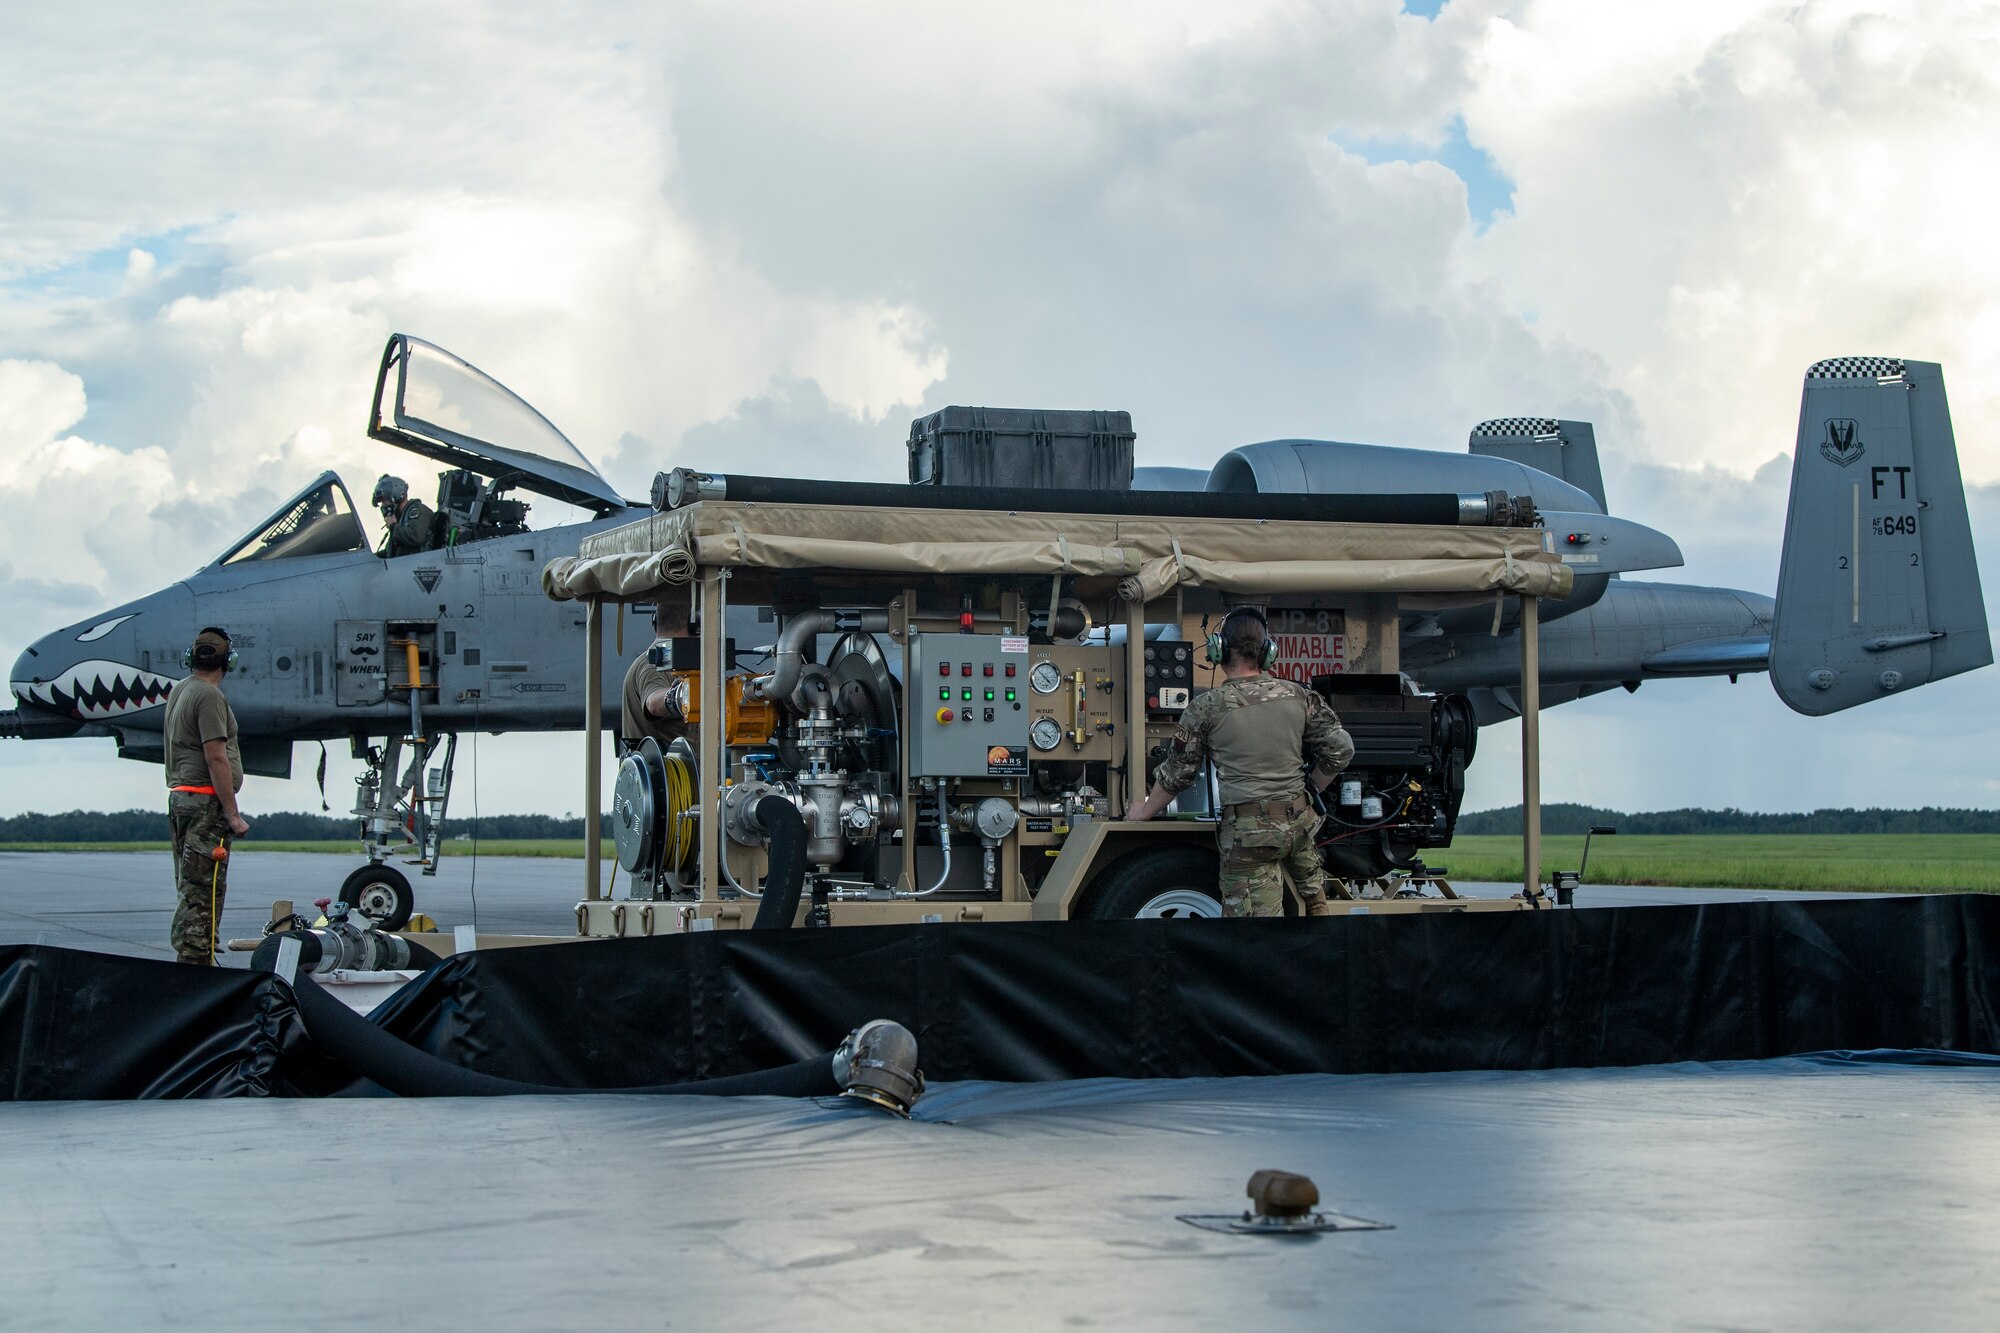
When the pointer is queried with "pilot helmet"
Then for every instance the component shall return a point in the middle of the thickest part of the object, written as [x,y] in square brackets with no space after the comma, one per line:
[389,492]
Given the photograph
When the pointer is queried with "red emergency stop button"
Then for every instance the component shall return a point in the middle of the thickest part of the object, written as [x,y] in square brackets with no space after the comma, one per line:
[944,715]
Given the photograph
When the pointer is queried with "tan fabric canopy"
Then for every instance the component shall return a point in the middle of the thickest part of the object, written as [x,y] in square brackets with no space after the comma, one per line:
[1148,556]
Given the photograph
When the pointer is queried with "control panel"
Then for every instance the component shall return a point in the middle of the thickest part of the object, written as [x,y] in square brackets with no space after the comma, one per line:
[968,705]
[1169,676]
[1076,701]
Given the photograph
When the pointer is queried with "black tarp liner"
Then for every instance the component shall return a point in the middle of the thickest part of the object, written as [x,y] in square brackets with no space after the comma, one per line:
[1039,1001]
[83,1026]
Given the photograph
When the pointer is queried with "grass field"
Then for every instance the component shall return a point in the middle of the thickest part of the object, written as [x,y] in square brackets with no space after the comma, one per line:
[1950,863]
[1954,863]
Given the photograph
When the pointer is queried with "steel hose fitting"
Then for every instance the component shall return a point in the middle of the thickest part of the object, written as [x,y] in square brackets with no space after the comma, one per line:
[877,1063]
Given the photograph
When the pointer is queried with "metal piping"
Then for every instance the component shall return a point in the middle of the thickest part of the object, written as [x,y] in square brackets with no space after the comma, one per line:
[788,661]
[944,842]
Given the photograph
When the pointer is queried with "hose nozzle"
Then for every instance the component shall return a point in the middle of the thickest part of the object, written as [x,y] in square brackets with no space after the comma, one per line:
[877,1063]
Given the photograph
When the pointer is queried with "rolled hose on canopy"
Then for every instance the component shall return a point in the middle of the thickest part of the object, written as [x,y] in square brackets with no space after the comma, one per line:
[684,486]
[876,1063]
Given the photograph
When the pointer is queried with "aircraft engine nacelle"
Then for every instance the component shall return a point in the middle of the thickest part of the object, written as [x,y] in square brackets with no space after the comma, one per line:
[1325,467]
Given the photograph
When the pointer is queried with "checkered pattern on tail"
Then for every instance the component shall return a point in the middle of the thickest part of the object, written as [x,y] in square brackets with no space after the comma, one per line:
[1857,368]
[1535,427]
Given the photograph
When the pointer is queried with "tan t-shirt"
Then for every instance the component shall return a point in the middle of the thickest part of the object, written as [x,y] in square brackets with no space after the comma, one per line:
[634,722]
[196,714]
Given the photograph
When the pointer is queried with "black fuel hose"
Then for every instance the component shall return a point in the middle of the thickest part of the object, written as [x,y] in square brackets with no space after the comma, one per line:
[265,959]
[786,830]
[1434,509]
[387,1060]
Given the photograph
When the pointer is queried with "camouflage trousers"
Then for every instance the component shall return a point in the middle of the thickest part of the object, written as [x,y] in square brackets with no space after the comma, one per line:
[1258,850]
[201,879]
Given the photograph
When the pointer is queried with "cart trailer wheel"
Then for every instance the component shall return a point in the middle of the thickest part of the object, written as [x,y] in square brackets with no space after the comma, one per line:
[1171,882]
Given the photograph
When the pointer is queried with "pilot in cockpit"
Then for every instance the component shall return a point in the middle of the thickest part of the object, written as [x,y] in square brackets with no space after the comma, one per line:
[408,524]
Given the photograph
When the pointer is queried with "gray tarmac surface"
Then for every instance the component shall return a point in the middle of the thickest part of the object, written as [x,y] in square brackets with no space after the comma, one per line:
[120,902]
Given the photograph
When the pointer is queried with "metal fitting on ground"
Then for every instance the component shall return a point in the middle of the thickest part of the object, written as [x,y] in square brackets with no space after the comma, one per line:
[877,1063]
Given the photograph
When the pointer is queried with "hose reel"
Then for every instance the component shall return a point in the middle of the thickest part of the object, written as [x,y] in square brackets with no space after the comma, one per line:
[652,809]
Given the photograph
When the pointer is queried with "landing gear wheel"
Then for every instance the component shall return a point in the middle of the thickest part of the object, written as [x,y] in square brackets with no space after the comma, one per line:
[1177,883]
[381,894]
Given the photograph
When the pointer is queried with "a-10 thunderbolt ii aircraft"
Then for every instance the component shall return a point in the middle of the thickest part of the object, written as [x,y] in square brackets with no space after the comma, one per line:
[1878,590]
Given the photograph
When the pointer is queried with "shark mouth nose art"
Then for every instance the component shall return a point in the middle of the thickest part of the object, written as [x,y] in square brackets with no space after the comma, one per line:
[95,690]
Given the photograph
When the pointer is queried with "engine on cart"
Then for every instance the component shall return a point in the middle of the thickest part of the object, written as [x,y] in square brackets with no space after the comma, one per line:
[1401,793]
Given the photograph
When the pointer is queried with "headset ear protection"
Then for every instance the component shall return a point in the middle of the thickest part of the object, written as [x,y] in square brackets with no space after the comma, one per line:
[1218,651]
[208,661]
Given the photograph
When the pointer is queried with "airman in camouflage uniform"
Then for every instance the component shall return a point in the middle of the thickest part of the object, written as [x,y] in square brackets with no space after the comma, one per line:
[204,773]
[1259,729]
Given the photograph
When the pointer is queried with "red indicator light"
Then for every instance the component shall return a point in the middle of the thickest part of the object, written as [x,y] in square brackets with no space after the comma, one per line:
[944,668]
[965,670]
[1010,668]
[1574,539]
[988,669]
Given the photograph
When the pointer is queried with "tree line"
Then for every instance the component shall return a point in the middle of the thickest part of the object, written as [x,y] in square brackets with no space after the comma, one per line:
[151,825]
[1579,819]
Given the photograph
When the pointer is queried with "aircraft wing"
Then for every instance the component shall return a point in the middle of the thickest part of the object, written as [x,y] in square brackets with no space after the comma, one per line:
[1600,544]
[435,404]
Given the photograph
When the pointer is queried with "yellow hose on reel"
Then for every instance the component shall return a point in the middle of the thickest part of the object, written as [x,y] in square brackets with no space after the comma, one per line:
[679,811]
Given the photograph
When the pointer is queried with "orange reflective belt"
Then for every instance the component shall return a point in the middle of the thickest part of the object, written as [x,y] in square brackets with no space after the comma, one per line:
[199,791]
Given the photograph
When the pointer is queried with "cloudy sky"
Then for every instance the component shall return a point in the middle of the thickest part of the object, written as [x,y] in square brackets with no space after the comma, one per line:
[707,233]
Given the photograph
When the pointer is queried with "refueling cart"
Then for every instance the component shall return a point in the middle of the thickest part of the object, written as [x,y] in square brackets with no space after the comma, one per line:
[969,684]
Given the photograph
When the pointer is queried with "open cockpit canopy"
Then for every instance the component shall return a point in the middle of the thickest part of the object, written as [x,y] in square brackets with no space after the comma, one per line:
[432,403]
[319,520]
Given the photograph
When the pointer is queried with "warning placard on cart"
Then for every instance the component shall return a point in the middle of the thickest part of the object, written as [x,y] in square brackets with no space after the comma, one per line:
[1311,642]
[1303,656]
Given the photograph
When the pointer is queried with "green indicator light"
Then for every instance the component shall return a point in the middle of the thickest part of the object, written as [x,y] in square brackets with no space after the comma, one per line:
[1010,696]
[944,692]
[968,696]
[989,696]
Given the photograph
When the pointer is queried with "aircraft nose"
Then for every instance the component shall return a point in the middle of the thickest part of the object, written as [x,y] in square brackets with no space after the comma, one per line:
[24,667]
[115,664]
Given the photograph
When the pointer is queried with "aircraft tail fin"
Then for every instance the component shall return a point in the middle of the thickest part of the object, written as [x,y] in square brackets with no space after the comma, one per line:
[1879,589]
[1566,449]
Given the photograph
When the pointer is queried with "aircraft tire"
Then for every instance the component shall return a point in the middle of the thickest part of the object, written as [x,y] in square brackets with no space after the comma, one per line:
[1167,882]
[382,894]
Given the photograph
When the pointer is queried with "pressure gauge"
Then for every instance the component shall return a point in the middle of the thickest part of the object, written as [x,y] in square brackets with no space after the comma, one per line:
[1046,734]
[1046,677]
